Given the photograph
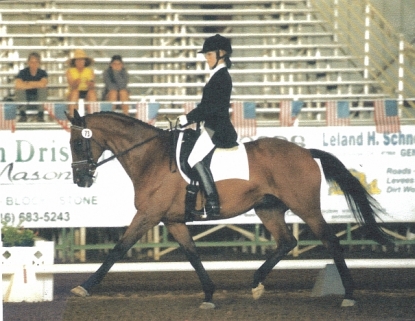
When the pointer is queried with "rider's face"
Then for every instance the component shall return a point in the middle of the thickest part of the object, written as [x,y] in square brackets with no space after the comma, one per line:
[210,57]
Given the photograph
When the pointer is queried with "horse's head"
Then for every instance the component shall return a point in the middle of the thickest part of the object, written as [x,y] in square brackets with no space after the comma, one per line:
[85,151]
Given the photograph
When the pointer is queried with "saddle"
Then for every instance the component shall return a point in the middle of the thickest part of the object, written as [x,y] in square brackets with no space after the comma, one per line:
[229,163]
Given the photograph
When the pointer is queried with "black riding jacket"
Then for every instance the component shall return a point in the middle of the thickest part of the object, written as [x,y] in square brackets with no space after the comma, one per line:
[214,109]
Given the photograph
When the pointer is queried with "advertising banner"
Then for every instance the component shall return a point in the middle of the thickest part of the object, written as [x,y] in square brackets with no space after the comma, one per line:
[36,177]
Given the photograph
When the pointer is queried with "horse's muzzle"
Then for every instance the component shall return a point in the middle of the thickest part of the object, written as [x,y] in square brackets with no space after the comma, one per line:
[83,176]
[84,182]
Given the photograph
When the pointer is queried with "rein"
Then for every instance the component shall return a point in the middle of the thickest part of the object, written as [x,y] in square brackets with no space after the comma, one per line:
[125,151]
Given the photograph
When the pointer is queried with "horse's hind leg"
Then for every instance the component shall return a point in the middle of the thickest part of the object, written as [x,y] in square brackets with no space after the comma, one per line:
[181,234]
[324,232]
[273,220]
[133,233]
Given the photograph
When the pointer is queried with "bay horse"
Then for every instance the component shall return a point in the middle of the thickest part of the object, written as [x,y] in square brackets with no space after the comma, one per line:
[282,176]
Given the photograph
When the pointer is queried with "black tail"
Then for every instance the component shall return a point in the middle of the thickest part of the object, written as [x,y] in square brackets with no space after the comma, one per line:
[363,206]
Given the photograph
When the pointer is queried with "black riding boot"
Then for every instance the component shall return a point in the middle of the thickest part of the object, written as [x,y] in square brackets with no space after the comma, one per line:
[212,199]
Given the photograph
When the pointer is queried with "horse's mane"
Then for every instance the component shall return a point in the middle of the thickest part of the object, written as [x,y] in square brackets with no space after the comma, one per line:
[126,119]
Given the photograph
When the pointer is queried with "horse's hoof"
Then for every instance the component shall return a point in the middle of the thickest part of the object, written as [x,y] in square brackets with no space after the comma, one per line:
[80,291]
[348,303]
[258,291]
[207,306]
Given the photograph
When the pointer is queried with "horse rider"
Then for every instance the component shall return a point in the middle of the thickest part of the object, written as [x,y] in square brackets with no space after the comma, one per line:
[212,114]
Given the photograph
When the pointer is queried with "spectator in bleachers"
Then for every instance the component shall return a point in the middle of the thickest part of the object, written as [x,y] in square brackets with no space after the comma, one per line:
[30,85]
[81,79]
[116,81]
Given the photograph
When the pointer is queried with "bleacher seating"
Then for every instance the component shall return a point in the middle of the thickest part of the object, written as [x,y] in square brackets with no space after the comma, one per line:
[281,48]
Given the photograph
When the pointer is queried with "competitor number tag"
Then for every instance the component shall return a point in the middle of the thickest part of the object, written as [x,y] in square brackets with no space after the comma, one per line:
[86,133]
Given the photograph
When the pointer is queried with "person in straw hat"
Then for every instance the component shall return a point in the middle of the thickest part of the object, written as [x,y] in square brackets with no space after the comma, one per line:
[81,79]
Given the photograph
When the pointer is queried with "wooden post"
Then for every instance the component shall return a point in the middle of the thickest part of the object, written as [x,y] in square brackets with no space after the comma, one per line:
[156,239]
[82,241]
[296,233]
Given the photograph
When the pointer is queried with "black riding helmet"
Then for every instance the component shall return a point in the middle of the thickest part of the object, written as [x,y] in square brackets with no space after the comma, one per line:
[216,43]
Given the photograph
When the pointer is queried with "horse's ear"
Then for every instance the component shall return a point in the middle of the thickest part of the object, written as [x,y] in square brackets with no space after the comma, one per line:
[76,120]
[69,118]
[77,117]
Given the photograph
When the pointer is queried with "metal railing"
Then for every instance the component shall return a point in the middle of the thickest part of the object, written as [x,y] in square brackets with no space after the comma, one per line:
[312,114]
[386,56]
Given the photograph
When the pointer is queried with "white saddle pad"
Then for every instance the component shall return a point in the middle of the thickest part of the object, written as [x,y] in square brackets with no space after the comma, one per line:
[227,163]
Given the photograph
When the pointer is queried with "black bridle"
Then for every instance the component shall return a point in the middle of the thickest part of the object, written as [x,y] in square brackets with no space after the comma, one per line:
[89,161]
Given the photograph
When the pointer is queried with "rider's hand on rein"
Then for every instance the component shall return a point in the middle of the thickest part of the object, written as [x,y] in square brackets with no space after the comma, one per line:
[182,120]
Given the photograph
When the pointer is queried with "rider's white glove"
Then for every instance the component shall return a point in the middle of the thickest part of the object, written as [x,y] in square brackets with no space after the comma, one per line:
[182,120]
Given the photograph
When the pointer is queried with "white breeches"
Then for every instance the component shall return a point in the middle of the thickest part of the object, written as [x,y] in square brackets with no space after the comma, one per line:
[202,147]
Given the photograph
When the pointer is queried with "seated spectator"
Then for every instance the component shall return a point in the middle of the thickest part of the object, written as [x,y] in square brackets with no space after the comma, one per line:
[116,81]
[81,79]
[30,85]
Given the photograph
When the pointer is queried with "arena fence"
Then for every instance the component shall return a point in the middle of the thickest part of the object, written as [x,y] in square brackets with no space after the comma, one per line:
[71,248]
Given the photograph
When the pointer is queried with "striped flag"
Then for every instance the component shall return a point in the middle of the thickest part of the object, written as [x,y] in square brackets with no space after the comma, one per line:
[96,107]
[289,110]
[386,116]
[8,116]
[57,111]
[188,107]
[147,112]
[244,118]
[337,113]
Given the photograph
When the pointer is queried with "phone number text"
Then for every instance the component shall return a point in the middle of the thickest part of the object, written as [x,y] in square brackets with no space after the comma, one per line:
[35,217]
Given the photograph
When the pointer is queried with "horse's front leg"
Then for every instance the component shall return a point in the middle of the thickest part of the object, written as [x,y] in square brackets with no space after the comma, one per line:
[181,234]
[273,220]
[134,232]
